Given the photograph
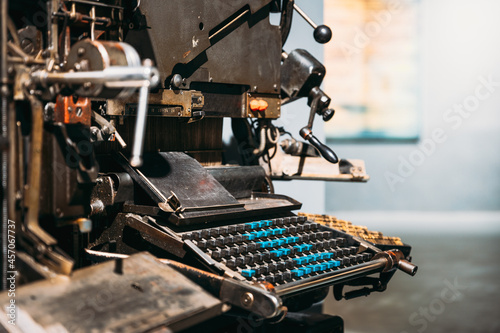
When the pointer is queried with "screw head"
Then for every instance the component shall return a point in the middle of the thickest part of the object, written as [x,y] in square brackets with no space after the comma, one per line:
[247,299]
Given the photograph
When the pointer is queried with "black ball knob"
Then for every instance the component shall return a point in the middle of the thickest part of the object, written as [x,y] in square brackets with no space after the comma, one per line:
[322,34]
[328,114]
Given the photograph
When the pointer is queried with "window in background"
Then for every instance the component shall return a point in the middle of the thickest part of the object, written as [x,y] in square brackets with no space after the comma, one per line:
[372,68]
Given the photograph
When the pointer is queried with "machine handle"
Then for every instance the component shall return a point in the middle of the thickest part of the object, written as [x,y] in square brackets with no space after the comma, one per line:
[324,150]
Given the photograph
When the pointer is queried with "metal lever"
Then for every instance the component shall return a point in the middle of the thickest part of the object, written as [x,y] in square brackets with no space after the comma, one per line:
[394,258]
[324,150]
[322,33]
[306,132]
[252,298]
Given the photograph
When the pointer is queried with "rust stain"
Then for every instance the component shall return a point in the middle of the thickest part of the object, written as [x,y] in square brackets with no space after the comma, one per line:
[186,54]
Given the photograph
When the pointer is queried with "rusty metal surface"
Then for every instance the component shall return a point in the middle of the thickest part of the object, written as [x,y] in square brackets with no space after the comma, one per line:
[71,110]
[165,103]
[130,295]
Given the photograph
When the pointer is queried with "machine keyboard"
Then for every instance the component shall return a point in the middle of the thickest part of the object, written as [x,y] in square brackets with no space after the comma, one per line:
[278,250]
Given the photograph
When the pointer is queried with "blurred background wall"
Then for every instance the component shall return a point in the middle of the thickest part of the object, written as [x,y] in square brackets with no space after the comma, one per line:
[460,178]
[447,206]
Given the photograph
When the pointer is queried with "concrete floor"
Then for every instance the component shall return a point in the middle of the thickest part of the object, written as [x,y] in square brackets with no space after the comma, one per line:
[456,289]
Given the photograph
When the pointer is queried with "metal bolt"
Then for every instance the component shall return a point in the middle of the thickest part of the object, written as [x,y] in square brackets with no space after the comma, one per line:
[79,111]
[247,299]
[70,109]
[80,51]
[27,45]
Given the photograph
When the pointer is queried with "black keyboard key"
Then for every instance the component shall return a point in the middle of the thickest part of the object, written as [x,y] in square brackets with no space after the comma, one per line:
[224,231]
[231,263]
[196,235]
[202,244]
[314,226]
[214,232]
[286,220]
[301,219]
[271,278]
[220,241]
[216,254]
[290,263]
[205,233]
[319,246]
[211,243]
[264,269]
[340,241]
[240,228]
[241,261]
[251,247]
[279,277]
[186,236]
[224,252]
[287,275]
[281,265]
[249,259]
[234,250]
[243,248]
[307,227]
[294,219]
[304,238]
[279,222]
[300,228]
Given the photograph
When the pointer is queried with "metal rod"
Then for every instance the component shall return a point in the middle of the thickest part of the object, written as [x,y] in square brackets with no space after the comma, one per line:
[304,15]
[125,76]
[35,172]
[229,24]
[342,275]
[140,128]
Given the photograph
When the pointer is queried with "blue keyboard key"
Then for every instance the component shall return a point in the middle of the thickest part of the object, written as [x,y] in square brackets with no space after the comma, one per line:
[335,263]
[299,261]
[248,236]
[327,255]
[306,270]
[281,241]
[277,252]
[323,266]
[295,238]
[248,272]
[281,231]
[297,272]
[274,243]
[261,245]
[307,246]
[298,248]
[285,251]
[315,268]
